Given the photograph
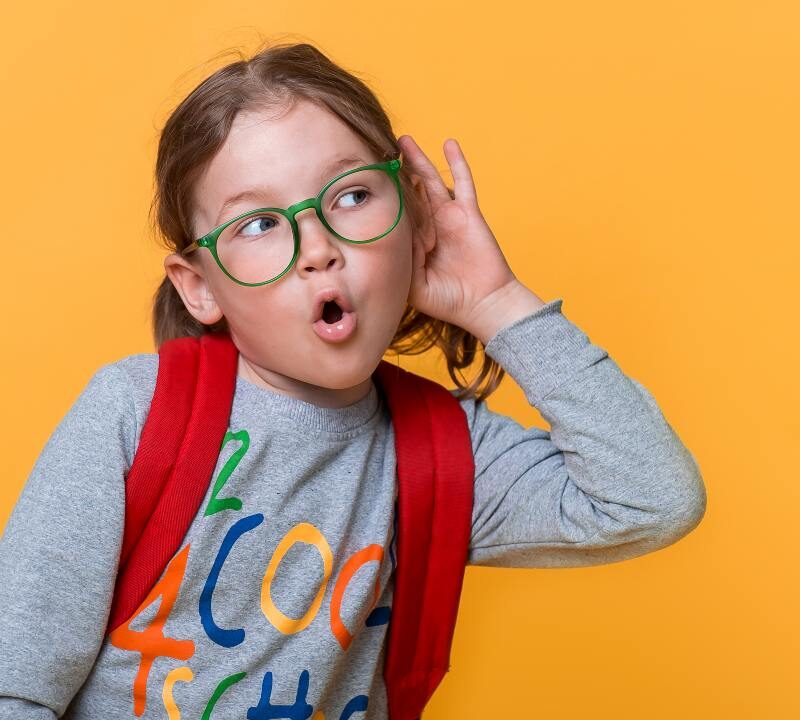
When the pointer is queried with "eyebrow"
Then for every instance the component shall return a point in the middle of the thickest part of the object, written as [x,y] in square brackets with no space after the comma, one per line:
[254,193]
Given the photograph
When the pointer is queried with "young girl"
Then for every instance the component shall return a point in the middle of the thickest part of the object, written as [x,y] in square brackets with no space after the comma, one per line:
[310,440]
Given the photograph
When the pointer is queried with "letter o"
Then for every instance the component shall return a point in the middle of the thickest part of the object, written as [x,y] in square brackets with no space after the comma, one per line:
[302,532]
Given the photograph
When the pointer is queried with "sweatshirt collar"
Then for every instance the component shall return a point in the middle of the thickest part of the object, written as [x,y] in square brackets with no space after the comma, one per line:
[306,414]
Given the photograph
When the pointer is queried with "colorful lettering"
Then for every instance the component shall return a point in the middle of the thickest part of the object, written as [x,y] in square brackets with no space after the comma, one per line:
[152,642]
[183,674]
[229,503]
[354,562]
[354,705]
[265,710]
[219,691]
[302,532]
[226,638]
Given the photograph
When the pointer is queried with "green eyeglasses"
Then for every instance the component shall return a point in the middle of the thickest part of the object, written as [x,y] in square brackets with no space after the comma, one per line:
[359,206]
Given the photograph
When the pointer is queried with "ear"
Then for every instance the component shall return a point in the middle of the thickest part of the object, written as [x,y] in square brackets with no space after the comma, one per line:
[417,184]
[427,236]
[192,286]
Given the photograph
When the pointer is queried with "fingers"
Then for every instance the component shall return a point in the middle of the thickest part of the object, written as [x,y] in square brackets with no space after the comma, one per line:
[435,187]
[462,175]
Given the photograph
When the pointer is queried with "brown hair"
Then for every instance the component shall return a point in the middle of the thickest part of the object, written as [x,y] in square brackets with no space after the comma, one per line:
[199,125]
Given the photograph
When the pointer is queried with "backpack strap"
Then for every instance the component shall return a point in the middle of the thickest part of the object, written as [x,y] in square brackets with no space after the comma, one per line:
[436,472]
[177,452]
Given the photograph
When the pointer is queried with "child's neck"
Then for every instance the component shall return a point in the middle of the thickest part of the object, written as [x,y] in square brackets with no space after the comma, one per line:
[314,394]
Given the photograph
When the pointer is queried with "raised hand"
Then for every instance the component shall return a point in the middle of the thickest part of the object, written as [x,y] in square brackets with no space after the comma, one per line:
[458,267]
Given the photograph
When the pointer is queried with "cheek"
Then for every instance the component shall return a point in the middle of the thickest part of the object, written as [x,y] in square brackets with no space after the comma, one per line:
[243,306]
[387,272]
[394,256]
[223,290]
[403,260]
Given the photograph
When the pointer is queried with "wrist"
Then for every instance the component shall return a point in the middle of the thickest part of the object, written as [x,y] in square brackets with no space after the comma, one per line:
[500,309]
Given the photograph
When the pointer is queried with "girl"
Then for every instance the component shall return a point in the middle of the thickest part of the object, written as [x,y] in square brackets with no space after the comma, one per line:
[310,441]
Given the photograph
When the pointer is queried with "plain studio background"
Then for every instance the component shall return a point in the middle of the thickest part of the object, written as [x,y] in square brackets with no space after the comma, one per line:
[638,160]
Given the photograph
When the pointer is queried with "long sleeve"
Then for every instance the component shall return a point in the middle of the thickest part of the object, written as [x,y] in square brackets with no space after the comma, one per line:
[610,481]
[59,552]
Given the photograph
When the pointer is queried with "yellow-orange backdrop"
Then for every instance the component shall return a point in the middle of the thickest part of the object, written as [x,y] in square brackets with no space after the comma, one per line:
[639,160]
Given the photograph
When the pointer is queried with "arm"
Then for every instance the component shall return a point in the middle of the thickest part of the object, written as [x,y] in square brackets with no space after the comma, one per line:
[609,482]
[59,552]
[12,708]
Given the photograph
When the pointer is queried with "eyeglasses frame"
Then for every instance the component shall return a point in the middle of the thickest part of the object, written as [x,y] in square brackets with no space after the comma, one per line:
[209,240]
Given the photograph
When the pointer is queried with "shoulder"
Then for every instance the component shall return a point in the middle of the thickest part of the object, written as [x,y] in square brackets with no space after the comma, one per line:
[139,372]
[127,385]
[121,382]
[477,412]
[108,412]
[493,432]
[134,375]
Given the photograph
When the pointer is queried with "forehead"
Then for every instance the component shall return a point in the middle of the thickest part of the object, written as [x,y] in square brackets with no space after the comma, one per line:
[283,149]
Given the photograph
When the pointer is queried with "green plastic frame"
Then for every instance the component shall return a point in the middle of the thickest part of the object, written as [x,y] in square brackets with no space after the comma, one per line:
[209,240]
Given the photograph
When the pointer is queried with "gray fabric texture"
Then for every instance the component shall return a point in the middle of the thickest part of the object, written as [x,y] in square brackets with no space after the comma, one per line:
[275,607]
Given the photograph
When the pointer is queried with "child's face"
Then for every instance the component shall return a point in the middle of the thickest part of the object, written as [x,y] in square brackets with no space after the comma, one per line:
[272,324]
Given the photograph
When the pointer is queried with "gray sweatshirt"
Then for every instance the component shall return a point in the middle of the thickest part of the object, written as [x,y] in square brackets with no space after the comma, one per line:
[277,603]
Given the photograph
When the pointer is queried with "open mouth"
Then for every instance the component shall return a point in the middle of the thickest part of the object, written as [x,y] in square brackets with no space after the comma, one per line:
[334,318]
[335,324]
[331,312]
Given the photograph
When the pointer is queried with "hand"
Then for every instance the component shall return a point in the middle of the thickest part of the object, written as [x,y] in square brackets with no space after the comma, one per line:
[457,263]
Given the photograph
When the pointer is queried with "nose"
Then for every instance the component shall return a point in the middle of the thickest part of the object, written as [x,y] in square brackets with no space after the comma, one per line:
[318,248]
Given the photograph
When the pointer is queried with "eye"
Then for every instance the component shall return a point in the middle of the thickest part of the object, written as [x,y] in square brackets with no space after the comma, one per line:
[259,224]
[354,192]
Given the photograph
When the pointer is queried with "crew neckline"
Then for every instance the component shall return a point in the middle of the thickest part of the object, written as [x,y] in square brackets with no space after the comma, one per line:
[307,414]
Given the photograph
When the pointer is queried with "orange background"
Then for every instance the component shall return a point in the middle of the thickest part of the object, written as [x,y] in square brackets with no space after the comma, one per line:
[639,160]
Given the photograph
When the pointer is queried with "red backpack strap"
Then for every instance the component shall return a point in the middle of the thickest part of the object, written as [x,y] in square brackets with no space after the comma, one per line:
[178,449]
[436,472]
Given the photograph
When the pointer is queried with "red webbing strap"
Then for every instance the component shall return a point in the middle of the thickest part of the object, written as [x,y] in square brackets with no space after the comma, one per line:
[177,453]
[160,438]
[436,472]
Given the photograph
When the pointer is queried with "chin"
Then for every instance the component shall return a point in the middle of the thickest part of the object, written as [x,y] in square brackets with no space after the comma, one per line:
[343,380]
